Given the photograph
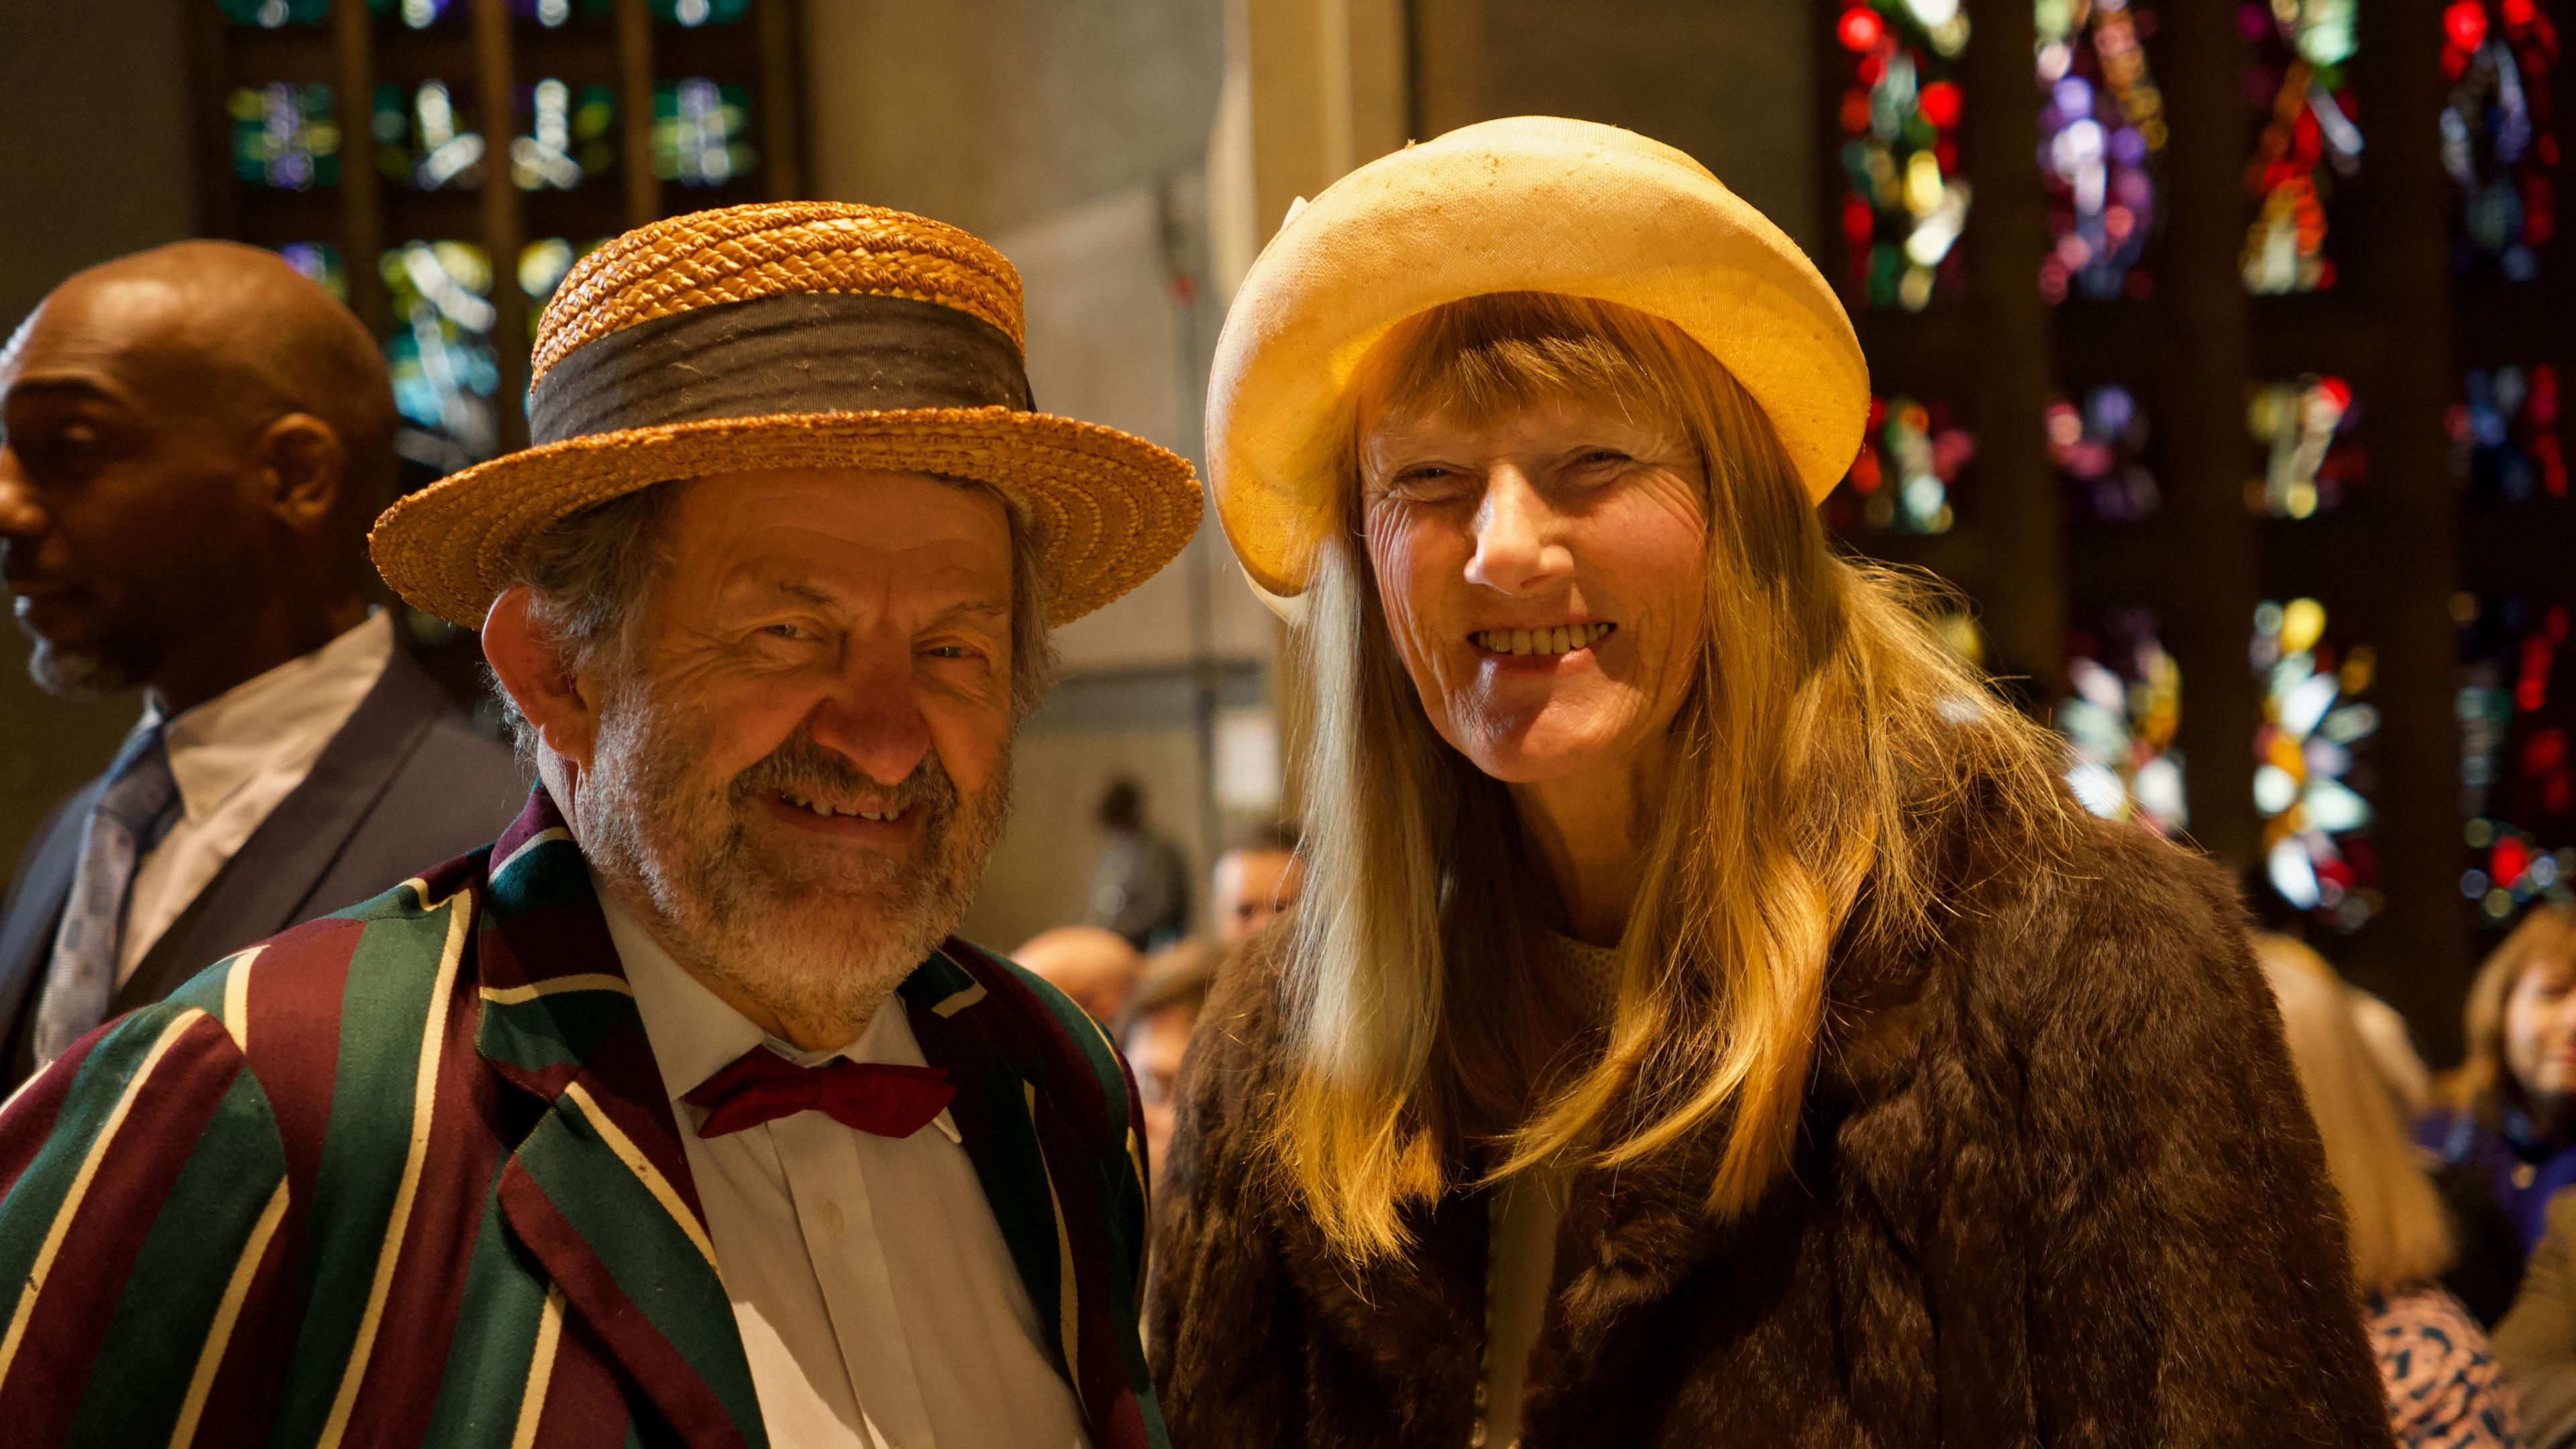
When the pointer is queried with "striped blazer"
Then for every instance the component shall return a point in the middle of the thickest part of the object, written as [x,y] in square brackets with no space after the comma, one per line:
[407,1175]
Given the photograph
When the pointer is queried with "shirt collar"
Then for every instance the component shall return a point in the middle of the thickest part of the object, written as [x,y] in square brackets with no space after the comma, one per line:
[273,719]
[695,1034]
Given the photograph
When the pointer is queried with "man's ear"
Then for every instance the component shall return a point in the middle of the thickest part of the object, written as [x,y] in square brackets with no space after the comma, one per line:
[304,468]
[530,669]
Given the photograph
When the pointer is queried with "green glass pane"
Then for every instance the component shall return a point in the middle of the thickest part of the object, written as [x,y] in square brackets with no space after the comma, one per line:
[285,135]
[702,132]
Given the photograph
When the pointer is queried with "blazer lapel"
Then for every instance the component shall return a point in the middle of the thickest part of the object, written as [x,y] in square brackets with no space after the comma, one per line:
[270,880]
[35,906]
[599,1189]
[1069,1219]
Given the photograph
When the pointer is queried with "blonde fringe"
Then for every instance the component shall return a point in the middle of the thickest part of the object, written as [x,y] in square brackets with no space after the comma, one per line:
[1830,748]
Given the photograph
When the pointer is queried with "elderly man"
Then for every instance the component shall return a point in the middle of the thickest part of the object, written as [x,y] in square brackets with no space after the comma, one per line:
[674,1116]
[1093,965]
[196,440]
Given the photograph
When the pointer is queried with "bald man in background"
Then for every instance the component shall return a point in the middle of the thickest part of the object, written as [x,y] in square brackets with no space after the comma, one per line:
[193,441]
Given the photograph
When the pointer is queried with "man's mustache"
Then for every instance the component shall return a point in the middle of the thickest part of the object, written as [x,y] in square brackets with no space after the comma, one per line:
[804,766]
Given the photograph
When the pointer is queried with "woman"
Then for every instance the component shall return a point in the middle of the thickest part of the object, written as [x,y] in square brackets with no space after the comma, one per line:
[2442,1386]
[1706,1020]
[2508,1122]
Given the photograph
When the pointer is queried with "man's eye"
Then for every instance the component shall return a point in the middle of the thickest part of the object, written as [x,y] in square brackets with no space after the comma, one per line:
[947,651]
[784,631]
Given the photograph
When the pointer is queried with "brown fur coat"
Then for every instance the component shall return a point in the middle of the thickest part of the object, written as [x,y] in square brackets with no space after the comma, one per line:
[2057,1188]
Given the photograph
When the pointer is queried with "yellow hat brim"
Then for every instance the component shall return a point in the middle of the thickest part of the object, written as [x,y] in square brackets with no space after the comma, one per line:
[1526,204]
[1109,508]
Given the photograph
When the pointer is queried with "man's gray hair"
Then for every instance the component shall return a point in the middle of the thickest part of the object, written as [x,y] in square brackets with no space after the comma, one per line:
[588,573]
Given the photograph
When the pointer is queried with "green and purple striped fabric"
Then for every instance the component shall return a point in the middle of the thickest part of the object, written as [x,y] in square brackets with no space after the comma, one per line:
[406,1175]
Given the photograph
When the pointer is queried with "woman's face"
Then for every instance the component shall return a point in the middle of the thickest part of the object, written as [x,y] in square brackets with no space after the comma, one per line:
[1542,577]
[2540,1035]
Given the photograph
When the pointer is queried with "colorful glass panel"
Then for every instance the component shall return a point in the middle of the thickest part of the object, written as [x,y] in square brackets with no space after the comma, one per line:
[2499,134]
[275,14]
[1905,201]
[2099,444]
[553,14]
[2517,781]
[2101,147]
[543,264]
[2311,460]
[2121,719]
[417,14]
[2312,781]
[1905,478]
[702,132]
[2309,151]
[2504,433]
[285,135]
[571,136]
[321,262]
[690,14]
[426,139]
[441,356]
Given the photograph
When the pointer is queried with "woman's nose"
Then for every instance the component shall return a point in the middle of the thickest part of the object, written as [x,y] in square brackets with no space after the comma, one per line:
[1518,547]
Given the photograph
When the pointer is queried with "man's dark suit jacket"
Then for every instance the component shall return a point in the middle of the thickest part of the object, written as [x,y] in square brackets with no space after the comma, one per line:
[405,784]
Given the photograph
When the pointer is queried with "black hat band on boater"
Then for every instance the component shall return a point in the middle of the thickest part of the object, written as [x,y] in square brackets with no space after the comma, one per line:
[796,353]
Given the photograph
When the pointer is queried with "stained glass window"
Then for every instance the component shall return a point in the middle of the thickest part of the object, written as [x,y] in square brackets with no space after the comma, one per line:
[418,14]
[553,14]
[2101,147]
[441,352]
[2517,782]
[1906,201]
[2312,780]
[1909,465]
[2504,433]
[2121,720]
[426,139]
[285,135]
[2098,443]
[276,14]
[321,262]
[690,14]
[2499,139]
[570,136]
[543,265]
[2310,147]
[2311,460]
[701,132]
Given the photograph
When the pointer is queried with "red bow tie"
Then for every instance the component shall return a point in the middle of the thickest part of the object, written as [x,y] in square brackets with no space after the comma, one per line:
[889,1101]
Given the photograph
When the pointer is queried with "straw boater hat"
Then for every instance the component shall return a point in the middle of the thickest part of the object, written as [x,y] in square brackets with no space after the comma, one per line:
[791,335]
[1529,204]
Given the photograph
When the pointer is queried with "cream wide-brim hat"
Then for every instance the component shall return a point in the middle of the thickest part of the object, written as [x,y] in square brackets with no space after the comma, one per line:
[1526,204]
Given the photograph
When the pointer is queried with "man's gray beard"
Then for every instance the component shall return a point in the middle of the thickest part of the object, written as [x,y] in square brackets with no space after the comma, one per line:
[812,950]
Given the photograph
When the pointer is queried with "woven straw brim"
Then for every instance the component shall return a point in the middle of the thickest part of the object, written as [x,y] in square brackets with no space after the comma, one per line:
[1109,509]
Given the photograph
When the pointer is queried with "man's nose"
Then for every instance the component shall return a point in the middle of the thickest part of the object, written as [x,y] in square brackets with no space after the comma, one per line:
[1517,544]
[20,514]
[871,716]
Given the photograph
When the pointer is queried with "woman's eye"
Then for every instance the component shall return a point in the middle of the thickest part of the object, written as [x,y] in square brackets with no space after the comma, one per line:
[1598,456]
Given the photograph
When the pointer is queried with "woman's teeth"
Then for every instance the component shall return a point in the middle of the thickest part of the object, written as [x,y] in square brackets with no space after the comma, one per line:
[896,813]
[1562,639]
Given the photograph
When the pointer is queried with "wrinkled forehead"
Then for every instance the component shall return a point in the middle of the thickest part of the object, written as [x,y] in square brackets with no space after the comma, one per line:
[845,535]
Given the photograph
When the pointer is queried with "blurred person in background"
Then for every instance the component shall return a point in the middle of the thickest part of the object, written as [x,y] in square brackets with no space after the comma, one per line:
[1141,887]
[1257,877]
[2535,1344]
[1093,965]
[1154,1032]
[2443,1387]
[196,439]
[1708,1019]
[2507,1115]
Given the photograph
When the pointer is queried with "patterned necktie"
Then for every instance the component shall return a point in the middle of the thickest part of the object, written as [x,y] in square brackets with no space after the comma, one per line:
[887,1100]
[138,807]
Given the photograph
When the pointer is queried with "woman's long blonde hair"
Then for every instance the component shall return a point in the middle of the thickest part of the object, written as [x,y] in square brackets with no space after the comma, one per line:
[2482,1083]
[2392,1214]
[1830,747]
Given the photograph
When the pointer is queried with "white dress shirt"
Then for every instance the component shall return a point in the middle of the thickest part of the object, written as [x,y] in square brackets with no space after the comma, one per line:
[235,757]
[878,1304]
